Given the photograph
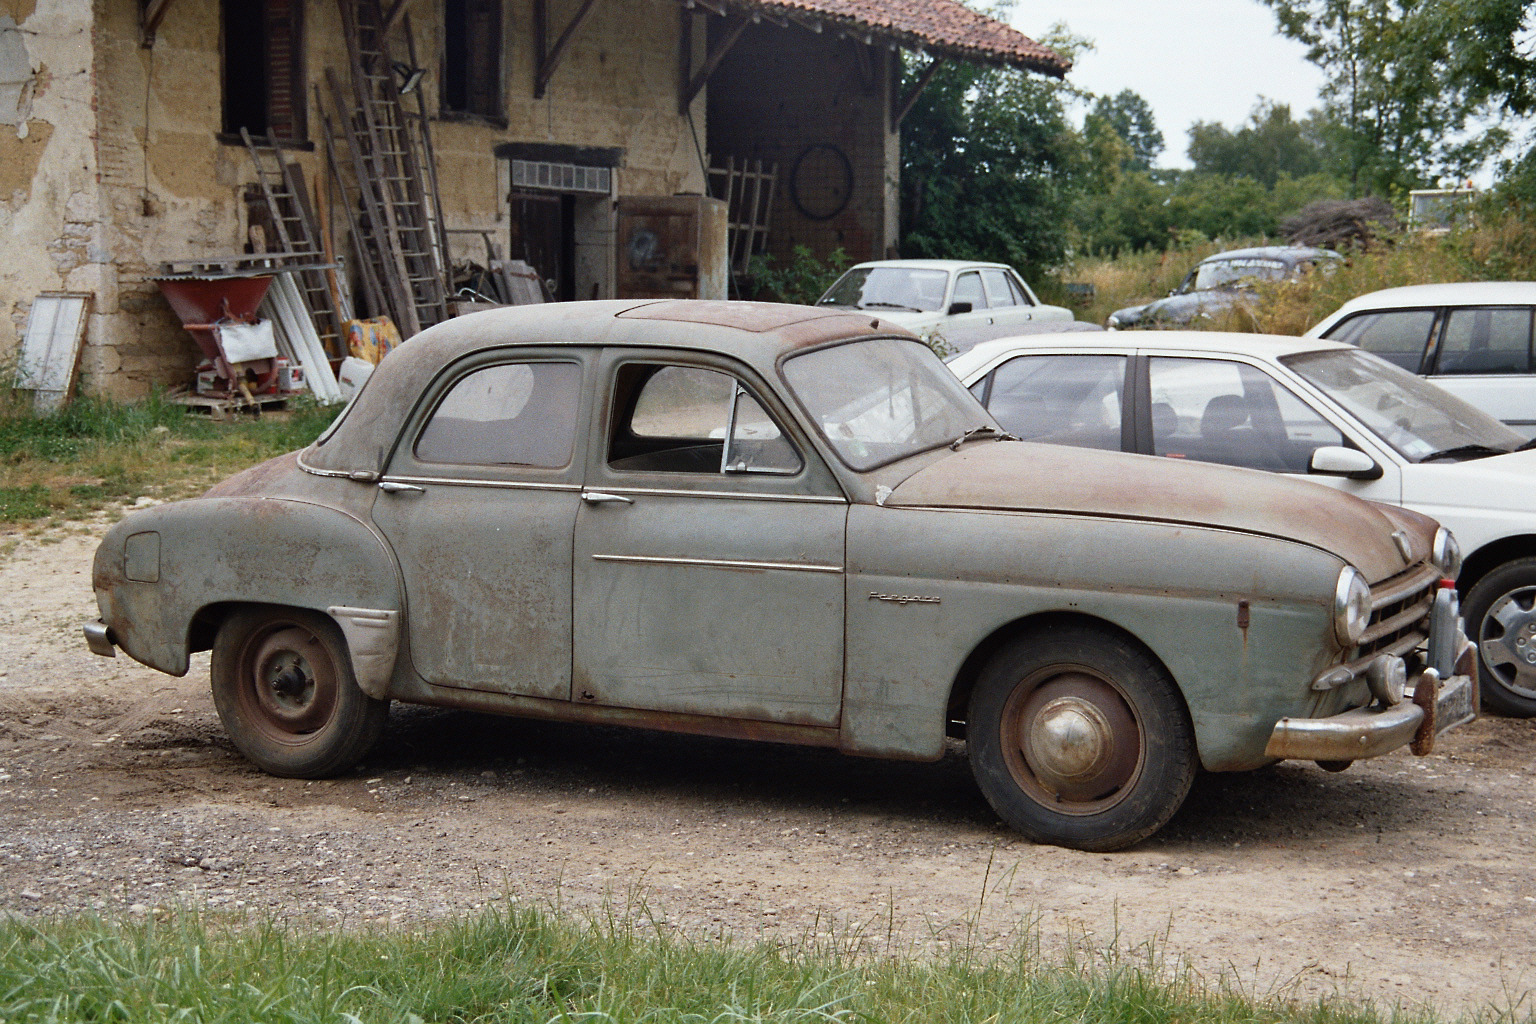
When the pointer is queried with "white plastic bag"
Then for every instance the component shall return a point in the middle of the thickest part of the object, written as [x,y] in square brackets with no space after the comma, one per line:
[242,343]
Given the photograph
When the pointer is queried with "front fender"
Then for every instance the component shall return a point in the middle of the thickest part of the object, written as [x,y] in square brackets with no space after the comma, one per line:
[162,571]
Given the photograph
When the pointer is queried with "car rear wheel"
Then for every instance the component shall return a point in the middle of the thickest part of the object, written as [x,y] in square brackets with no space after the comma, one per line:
[1501,616]
[284,689]
[1078,737]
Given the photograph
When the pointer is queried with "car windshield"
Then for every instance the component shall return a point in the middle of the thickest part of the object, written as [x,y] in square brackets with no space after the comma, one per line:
[877,401]
[1416,418]
[901,288]
[1225,273]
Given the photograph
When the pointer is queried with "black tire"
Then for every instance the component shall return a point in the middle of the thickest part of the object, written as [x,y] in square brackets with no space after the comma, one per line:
[284,689]
[1501,616]
[1050,686]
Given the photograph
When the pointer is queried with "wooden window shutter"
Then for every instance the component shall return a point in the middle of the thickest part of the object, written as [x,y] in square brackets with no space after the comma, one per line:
[286,106]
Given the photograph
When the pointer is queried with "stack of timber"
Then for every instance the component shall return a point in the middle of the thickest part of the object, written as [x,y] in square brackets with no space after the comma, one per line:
[381,162]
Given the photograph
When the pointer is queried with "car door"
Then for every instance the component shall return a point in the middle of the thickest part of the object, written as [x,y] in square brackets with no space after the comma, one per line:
[1237,413]
[1003,301]
[479,504]
[709,560]
[1484,356]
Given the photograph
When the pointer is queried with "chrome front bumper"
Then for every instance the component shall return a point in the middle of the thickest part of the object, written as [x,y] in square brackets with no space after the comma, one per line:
[1372,731]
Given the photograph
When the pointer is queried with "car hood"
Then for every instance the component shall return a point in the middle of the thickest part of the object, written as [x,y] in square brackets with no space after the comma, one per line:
[1025,477]
[1462,494]
[1182,309]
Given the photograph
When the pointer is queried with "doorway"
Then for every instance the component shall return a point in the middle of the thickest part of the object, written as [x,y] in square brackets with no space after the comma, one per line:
[543,234]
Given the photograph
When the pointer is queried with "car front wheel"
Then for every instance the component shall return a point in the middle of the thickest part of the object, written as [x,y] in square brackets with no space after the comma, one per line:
[1078,737]
[1501,616]
[284,689]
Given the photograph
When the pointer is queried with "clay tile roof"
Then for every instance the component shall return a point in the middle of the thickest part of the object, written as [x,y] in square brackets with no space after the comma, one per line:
[943,27]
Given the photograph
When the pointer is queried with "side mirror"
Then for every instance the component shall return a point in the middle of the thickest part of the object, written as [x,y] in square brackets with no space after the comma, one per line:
[1334,460]
[959,307]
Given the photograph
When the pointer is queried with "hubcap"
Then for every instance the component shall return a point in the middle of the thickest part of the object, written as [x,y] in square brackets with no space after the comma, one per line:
[1071,741]
[1507,639]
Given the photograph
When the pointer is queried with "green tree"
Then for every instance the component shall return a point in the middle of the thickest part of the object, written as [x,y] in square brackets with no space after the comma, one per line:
[990,163]
[1401,89]
[1272,143]
[1130,118]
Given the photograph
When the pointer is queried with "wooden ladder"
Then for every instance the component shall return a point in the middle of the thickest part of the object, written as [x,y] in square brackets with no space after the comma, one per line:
[403,226]
[282,187]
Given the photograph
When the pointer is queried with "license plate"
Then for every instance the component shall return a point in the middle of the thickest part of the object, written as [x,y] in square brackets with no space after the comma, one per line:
[1456,703]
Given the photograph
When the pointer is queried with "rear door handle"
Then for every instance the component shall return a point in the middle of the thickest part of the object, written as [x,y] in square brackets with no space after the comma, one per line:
[395,487]
[604,498]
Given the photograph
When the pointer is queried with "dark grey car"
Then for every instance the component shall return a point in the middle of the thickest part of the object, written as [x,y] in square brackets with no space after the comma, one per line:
[1220,282]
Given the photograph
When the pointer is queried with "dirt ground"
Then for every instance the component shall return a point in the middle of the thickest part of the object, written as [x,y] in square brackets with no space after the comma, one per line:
[1402,880]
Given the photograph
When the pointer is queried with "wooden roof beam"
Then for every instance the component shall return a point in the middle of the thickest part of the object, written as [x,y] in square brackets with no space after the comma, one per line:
[549,61]
[737,25]
[909,101]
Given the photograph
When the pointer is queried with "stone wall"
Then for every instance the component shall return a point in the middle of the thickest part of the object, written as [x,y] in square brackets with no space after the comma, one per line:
[115,165]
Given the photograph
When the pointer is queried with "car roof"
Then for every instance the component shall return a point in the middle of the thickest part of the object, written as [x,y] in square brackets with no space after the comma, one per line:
[756,333]
[1284,253]
[1265,346]
[928,264]
[1456,293]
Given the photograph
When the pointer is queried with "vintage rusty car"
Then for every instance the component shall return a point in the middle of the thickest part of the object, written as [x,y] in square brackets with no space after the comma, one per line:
[792,524]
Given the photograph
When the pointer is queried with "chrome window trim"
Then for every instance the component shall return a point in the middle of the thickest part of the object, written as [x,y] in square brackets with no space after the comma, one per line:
[719,563]
[670,492]
[510,485]
[341,474]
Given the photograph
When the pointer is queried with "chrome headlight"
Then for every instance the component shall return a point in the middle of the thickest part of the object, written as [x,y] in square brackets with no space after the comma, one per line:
[1351,606]
[1446,553]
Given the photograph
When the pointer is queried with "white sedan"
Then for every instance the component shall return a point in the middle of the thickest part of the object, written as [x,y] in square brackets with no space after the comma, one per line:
[955,302]
[1472,338]
[1322,410]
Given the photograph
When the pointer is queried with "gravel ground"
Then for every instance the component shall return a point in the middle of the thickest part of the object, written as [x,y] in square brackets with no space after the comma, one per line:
[1402,880]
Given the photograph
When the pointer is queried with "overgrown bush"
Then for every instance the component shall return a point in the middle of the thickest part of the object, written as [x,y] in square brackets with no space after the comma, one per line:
[803,279]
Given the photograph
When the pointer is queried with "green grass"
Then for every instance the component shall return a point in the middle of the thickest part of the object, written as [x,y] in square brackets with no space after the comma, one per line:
[518,964]
[96,453]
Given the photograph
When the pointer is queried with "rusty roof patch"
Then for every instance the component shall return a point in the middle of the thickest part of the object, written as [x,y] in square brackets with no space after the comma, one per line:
[944,27]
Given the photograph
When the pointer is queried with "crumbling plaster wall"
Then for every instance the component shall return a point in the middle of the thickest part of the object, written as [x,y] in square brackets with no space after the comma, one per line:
[116,166]
[617,86]
[781,90]
[50,238]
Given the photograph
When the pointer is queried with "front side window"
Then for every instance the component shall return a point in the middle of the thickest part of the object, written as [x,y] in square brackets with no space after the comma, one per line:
[998,292]
[1216,410]
[880,400]
[1399,336]
[689,419]
[968,289]
[1061,399]
[512,414]
[1486,341]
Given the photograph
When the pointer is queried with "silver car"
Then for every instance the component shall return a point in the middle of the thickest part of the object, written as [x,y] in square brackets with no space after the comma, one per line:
[792,524]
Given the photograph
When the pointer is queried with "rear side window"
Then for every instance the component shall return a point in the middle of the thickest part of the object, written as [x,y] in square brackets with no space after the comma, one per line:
[998,292]
[1492,340]
[512,414]
[1398,336]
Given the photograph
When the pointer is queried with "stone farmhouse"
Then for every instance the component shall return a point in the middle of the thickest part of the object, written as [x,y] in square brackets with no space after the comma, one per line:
[121,146]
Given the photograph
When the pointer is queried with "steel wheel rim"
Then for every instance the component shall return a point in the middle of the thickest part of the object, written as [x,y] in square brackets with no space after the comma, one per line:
[1071,740]
[1507,641]
[288,687]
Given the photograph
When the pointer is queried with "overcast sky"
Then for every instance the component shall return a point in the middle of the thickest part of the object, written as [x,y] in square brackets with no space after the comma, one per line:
[1191,60]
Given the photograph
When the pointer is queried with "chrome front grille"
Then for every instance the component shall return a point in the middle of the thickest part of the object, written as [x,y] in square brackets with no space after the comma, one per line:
[1400,609]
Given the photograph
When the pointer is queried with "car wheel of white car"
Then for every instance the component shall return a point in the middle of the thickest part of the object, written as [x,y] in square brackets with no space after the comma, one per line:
[1501,615]
[284,689]
[1078,737]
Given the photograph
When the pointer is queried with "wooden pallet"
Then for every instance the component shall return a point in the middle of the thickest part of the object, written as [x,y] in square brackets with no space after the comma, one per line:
[218,408]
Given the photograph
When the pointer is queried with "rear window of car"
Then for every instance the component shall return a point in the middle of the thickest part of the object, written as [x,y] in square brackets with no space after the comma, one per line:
[511,414]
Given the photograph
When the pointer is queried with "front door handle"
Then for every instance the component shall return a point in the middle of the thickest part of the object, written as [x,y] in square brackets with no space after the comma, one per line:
[604,498]
[395,487]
